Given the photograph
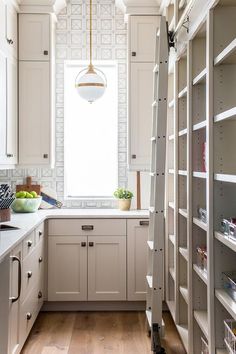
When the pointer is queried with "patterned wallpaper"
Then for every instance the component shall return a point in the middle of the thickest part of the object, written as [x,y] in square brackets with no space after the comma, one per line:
[72,38]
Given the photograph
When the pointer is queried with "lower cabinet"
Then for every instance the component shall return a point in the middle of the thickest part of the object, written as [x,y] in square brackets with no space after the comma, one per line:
[137,236]
[82,268]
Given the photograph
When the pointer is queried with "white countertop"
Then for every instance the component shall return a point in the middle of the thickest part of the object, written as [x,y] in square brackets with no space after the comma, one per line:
[29,221]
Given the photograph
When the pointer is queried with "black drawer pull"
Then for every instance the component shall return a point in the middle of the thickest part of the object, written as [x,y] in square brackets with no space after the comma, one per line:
[40,295]
[16,259]
[10,41]
[29,274]
[40,233]
[144,223]
[83,244]
[133,54]
[29,243]
[91,244]
[28,316]
[87,227]
[45,52]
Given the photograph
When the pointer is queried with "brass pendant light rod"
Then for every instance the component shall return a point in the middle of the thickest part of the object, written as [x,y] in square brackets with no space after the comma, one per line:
[91,39]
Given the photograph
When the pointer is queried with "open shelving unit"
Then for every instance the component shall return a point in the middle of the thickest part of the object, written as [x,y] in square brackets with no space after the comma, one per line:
[201,167]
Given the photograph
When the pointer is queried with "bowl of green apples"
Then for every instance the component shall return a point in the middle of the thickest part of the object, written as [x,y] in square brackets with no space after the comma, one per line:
[26,202]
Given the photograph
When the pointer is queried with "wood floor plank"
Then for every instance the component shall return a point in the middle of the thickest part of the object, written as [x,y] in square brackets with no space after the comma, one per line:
[97,333]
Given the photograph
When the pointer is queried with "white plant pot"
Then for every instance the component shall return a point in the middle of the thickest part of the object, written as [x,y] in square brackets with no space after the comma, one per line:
[124,204]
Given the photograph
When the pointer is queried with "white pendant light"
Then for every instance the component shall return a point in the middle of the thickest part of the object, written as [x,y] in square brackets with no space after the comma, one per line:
[91,82]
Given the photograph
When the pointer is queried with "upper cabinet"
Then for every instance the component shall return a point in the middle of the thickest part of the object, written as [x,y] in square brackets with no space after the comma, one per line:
[36,90]
[143,38]
[34,33]
[8,86]
[142,44]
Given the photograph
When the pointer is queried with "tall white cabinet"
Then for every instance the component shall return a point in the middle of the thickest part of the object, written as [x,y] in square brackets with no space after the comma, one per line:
[36,121]
[8,86]
[141,54]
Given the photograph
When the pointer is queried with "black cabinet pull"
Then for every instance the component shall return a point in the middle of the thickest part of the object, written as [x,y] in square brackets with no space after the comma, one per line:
[91,244]
[83,244]
[133,156]
[28,316]
[133,54]
[40,259]
[10,155]
[29,274]
[9,41]
[16,259]
[40,295]
[144,223]
[45,156]
[45,52]
[29,243]
[87,227]
[40,233]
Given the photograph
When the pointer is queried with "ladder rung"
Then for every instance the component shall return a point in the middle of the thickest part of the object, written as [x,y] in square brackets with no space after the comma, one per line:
[150,245]
[154,104]
[149,281]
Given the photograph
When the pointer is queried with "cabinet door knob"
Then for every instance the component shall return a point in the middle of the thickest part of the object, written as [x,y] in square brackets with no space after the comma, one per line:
[29,243]
[144,223]
[91,244]
[87,227]
[83,244]
[28,316]
[45,52]
[133,54]
[40,259]
[29,274]
[45,156]
[133,156]
[40,295]
[9,41]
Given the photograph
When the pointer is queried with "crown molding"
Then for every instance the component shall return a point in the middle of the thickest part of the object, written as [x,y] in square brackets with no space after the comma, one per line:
[42,6]
[133,7]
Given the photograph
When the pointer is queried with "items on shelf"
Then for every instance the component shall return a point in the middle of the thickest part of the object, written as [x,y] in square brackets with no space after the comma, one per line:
[228,227]
[202,257]
[229,282]
[204,349]
[202,214]
[230,336]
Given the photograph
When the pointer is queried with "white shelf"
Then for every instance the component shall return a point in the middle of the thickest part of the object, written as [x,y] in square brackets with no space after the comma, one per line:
[149,280]
[228,55]
[199,125]
[150,245]
[172,273]
[184,252]
[184,292]
[182,172]
[225,178]
[200,78]
[172,239]
[229,114]
[199,174]
[171,205]
[226,240]
[183,212]
[200,224]
[183,332]
[201,318]
[228,303]
[201,273]
[183,132]
[183,93]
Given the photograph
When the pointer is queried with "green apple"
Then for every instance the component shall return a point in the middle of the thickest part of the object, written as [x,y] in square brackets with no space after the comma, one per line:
[28,195]
[34,194]
[21,194]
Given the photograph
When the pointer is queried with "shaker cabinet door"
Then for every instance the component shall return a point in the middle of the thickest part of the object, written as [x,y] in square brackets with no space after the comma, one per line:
[67,268]
[34,113]
[106,268]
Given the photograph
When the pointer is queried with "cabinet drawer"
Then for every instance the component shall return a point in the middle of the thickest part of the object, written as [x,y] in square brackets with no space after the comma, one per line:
[33,267]
[28,244]
[93,227]
[29,312]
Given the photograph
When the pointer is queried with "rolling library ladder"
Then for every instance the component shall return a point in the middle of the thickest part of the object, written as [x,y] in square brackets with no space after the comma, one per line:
[156,241]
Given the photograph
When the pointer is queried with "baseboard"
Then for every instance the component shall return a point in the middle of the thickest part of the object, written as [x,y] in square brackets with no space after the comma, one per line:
[94,306]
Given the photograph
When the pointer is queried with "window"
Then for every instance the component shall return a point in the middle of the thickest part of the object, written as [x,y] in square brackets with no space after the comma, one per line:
[91,132]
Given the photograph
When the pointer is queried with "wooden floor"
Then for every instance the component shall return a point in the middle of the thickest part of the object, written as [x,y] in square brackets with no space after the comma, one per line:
[96,333]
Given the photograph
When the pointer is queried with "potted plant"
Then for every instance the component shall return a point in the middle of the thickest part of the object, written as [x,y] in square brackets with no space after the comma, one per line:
[124,198]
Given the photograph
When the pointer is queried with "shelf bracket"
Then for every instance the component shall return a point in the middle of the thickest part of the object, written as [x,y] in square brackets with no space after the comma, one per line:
[156,341]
